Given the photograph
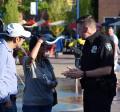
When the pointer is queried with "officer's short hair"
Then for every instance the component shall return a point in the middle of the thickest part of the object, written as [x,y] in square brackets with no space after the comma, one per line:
[83,18]
[88,20]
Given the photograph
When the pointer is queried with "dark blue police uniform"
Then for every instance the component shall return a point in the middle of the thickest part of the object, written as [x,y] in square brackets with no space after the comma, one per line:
[99,91]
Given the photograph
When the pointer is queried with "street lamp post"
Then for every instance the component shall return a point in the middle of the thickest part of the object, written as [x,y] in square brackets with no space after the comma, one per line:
[77,16]
[36,8]
[78,8]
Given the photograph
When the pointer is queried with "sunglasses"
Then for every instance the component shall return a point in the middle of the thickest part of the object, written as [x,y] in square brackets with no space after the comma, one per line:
[22,37]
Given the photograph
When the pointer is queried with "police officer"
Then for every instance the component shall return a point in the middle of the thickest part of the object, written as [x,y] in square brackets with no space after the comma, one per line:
[97,68]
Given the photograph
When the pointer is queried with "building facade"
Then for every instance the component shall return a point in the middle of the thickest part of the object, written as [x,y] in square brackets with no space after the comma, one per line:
[108,8]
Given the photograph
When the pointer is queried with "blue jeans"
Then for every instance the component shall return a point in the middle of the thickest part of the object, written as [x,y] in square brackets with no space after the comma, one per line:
[13,108]
[27,108]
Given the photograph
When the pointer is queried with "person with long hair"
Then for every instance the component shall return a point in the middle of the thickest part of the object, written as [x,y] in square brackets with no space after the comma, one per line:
[40,79]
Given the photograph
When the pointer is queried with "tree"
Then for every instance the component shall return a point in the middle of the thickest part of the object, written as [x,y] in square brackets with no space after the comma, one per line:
[85,7]
[11,11]
[57,10]
[25,7]
[2,9]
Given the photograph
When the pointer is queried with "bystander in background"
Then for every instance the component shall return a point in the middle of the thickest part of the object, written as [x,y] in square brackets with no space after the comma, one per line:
[114,38]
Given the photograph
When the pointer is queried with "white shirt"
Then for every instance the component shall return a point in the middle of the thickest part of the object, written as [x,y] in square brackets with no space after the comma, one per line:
[8,78]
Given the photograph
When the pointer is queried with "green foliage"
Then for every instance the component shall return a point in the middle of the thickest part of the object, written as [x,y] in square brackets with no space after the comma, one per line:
[25,7]
[2,10]
[85,7]
[71,15]
[20,54]
[57,30]
[57,10]
[25,46]
[11,11]
[43,5]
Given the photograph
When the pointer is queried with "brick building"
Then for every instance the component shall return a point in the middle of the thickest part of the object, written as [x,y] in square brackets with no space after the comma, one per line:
[108,8]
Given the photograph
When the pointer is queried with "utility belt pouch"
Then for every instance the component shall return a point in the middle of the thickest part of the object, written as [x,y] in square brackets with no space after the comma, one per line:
[106,83]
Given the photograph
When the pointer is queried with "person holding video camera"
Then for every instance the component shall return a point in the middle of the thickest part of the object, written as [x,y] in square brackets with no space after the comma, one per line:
[98,79]
[39,78]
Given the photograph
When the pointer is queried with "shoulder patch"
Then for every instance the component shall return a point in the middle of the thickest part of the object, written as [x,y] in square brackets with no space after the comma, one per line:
[108,46]
[94,49]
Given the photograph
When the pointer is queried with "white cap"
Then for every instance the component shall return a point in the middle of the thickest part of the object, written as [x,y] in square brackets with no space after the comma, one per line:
[16,30]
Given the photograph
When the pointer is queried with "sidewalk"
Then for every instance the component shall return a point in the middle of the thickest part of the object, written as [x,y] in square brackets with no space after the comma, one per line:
[60,65]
